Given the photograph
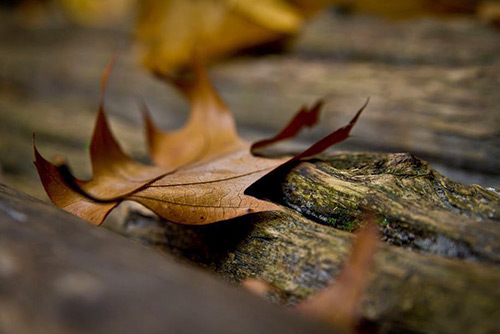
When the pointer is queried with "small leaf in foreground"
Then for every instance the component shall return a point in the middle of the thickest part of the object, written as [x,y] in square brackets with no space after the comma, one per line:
[256,286]
[338,303]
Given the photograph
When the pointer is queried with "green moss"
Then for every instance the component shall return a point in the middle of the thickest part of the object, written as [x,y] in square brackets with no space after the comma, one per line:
[343,222]
[382,221]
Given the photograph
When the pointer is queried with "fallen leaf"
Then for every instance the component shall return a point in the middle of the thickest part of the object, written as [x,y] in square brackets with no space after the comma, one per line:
[169,30]
[97,12]
[489,11]
[306,117]
[338,303]
[202,170]
[256,286]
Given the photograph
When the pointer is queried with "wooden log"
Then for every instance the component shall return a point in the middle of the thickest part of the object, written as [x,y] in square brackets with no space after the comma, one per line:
[58,274]
[418,208]
[432,85]
[430,95]
[439,271]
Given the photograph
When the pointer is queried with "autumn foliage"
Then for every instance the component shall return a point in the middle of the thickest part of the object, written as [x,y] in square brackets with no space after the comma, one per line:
[201,171]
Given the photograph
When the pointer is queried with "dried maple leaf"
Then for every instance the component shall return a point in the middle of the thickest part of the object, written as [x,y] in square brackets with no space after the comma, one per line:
[201,171]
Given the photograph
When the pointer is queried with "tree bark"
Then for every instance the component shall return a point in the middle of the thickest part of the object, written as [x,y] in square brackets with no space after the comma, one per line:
[437,272]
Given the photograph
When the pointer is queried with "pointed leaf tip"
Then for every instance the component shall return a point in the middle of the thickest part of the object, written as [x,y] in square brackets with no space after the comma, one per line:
[64,197]
[152,133]
[333,138]
[105,78]
[356,117]
[305,117]
[104,148]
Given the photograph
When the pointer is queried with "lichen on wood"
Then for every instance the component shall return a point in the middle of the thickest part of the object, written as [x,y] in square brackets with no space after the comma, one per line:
[439,268]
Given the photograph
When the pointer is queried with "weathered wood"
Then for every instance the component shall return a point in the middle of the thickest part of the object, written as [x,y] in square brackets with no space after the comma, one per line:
[418,208]
[58,274]
[433,88]
[454,288]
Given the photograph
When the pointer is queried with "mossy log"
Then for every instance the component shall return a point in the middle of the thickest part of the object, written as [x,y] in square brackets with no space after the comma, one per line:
[438,270]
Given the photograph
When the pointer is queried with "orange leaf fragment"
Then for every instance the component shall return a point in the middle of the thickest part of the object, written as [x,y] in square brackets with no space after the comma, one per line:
[256,286]
[202,170]
[337,303]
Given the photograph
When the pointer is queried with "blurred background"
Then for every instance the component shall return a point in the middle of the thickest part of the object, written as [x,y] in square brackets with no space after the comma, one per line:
[431,69]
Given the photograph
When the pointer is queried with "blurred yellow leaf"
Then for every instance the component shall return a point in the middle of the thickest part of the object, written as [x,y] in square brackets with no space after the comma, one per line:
[489,11]
[170,30]
[97,12]
[276,15]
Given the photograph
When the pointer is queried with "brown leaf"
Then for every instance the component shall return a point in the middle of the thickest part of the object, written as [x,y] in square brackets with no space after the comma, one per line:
[489,11]
[168,30]
[201,174]
[97,12]
[257,286]
[337,304]
[305,117]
